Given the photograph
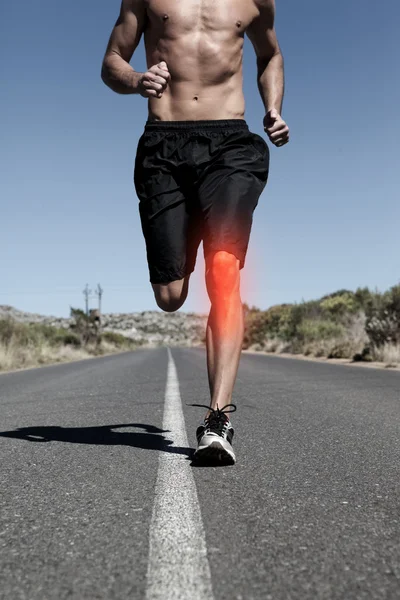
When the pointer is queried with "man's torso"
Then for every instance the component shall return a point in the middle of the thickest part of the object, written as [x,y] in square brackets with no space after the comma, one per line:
[202,43]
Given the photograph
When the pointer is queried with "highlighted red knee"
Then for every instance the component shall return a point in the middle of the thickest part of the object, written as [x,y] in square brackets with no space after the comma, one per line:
[223,274]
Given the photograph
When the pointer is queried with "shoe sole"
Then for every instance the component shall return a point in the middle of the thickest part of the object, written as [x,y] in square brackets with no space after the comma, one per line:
[215,453]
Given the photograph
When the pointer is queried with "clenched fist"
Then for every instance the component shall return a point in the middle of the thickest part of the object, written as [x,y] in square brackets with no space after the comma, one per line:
[153,83]
[276,128]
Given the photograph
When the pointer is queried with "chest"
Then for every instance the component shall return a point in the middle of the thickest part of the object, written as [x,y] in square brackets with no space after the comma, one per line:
[184,16]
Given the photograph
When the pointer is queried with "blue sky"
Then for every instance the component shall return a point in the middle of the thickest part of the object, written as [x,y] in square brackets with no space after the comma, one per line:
[328,219]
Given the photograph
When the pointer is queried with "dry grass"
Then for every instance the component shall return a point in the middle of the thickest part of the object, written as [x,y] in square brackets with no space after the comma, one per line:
[271,345]
[388,354]
[22,357]
[276,345]
[32,345]
[13,357]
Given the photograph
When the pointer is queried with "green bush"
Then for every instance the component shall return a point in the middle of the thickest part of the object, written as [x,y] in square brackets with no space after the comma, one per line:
[260,325]
[117,339]
[24,334]
[329,326]
[8,329]
[383,318]
[338,306]
[312,331]
[35,334]
[365,299]
[69,339]
[297,315]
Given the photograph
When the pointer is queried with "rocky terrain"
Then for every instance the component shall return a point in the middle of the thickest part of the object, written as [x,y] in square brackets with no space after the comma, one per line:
[150,328]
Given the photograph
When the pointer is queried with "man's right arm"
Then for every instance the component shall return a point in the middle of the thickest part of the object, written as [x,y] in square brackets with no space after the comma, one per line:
[116,71]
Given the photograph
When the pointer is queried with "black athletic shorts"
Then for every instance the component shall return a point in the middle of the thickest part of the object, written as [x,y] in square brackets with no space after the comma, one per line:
[197,180]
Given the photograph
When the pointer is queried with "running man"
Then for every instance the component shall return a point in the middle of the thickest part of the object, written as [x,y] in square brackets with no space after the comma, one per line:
[199,171]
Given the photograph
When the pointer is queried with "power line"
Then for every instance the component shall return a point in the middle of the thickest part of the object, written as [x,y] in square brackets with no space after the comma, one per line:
[72,290]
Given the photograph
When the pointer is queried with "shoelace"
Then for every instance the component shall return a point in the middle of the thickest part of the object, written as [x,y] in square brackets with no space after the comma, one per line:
[216,419]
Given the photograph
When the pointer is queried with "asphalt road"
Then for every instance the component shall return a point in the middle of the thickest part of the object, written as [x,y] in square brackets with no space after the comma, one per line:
[95,482]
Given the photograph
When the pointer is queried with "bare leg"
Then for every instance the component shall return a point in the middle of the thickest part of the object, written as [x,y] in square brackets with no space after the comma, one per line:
[171,296]
[225,326]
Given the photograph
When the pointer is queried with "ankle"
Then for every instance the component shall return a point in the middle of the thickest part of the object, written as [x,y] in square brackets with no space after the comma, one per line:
[213,409]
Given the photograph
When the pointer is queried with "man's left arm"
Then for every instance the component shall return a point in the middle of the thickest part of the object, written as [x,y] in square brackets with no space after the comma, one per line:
[270,70]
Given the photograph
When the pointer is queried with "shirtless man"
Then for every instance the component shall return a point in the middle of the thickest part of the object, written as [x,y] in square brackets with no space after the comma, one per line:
[199,171]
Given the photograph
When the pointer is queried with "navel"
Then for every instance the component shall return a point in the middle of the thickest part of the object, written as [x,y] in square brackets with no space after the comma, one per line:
[238,23]
[195,98]
[165,17]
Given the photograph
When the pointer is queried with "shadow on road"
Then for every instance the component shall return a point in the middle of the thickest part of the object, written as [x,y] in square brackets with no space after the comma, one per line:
[149,439]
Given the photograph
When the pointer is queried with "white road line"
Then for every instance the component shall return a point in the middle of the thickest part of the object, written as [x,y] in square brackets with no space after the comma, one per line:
[178,566]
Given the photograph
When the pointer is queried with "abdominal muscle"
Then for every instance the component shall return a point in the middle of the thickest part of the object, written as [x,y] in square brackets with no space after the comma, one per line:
[206,77]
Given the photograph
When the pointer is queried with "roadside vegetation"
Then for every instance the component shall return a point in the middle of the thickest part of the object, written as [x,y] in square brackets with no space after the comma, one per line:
[25,345]
[362,326]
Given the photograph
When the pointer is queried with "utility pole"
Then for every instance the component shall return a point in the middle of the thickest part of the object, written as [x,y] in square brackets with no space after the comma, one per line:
[99,293]
[86,293]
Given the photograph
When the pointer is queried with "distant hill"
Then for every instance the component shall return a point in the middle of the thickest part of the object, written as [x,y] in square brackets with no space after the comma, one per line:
[148,328]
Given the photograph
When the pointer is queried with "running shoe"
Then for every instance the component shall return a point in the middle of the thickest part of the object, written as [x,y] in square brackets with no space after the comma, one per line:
[214,437]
